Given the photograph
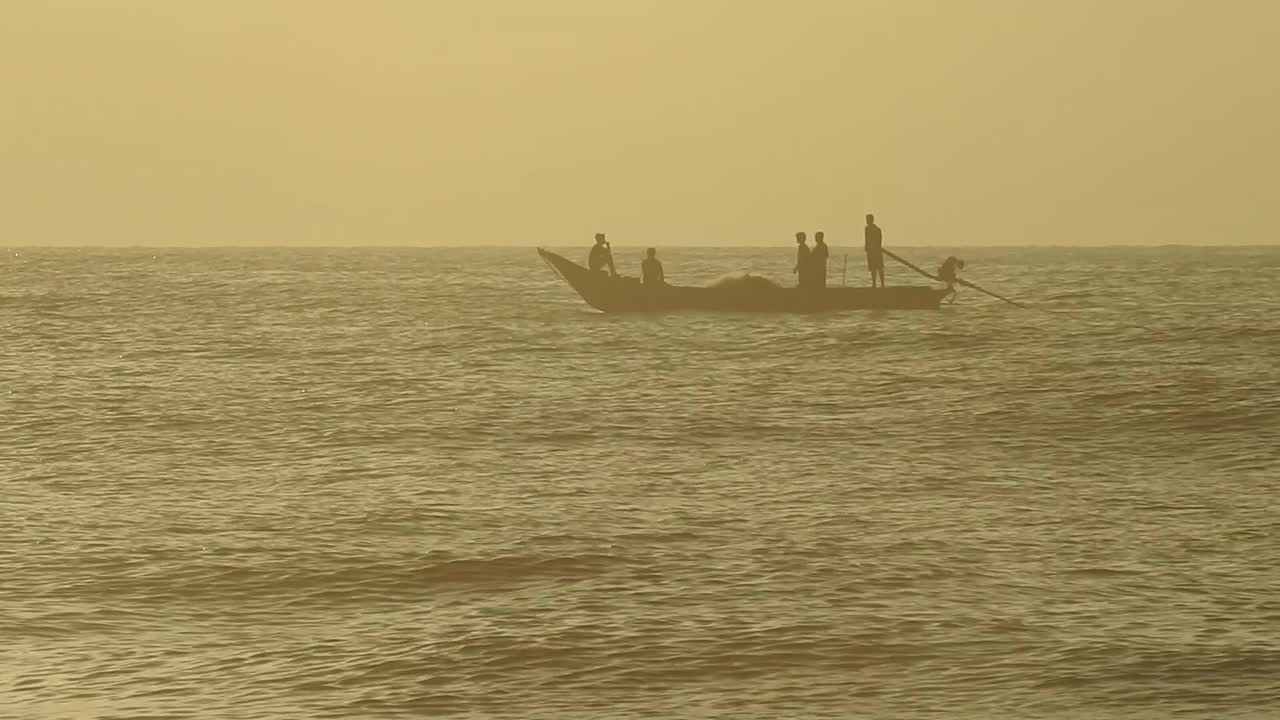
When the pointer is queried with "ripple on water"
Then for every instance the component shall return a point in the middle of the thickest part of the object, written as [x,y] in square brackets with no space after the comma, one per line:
[372,483]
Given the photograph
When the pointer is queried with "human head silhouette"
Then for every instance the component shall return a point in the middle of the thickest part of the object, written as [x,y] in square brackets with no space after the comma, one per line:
[799,238]
[599,238]
[818,237]
[651,252]
[871,219]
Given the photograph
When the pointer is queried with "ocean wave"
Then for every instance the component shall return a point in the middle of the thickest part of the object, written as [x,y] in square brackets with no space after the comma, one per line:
[333,484]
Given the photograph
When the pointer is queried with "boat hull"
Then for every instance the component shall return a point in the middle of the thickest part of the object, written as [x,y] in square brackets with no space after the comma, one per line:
[627,295]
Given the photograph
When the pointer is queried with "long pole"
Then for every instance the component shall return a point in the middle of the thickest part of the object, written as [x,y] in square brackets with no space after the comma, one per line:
[844,269]
[966,283]
[913,267]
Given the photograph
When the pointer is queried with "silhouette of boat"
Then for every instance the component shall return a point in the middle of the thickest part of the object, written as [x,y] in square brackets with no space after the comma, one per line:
[624,294]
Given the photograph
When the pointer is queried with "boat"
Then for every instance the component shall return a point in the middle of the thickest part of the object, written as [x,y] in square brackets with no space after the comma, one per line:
[612,294]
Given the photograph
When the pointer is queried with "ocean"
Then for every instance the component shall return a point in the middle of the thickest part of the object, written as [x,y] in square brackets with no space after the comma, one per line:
[427,482]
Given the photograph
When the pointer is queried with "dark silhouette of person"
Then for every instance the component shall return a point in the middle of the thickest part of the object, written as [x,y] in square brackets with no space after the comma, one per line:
[872,244]
[947,274]
[601,256]
[802,261]
[651,269]
[818,260]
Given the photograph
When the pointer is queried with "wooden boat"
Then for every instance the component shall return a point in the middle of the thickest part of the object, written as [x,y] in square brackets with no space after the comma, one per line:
[752,294]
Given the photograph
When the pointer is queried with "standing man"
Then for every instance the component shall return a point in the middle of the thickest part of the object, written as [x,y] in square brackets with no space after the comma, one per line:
[802,261]
[818,260]
[875,258]
[651,274]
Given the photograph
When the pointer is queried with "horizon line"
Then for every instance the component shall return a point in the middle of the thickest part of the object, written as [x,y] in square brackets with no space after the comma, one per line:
[497,246]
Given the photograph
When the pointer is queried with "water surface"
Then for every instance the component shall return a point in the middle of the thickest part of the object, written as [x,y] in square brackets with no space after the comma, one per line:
[422,482]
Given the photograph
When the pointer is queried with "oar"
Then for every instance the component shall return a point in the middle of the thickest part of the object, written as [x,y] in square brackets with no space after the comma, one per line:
[966,283]
[913,267]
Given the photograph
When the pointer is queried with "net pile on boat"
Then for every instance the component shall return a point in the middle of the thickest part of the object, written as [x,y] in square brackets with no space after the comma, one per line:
[743,282]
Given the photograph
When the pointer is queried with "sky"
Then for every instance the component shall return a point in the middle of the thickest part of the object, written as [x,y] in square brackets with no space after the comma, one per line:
[676,122]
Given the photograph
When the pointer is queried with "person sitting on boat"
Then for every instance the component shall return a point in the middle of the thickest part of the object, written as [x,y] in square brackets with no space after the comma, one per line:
[818,261]
[802,261]
[601,256]
[947,274]
[872,245]
[651,269]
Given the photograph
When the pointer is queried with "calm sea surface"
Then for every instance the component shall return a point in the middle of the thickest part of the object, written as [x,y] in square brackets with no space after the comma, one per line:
[430,482]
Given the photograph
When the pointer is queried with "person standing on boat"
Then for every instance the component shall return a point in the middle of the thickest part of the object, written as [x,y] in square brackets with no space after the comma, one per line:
[818,260]
[802,261]
[947,274]
[872,244]
[601,256]
[651,274]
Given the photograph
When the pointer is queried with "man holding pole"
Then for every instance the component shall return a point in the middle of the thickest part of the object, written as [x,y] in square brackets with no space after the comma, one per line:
[872,244]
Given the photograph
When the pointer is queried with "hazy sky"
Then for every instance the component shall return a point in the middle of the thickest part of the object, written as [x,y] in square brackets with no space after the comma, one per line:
[404,122]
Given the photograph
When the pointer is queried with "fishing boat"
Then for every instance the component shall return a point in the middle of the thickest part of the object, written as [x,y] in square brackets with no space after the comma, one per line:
[751,294]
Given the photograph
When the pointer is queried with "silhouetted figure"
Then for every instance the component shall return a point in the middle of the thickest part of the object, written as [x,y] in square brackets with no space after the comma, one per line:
[818,260]
[651,269]
[802,261]
[601,256]
[872,244]
[947,274]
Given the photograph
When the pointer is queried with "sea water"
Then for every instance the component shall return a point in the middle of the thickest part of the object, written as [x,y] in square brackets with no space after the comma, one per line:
[375,483]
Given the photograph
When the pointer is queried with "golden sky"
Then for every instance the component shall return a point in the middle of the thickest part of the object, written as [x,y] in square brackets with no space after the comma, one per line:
[423,122]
